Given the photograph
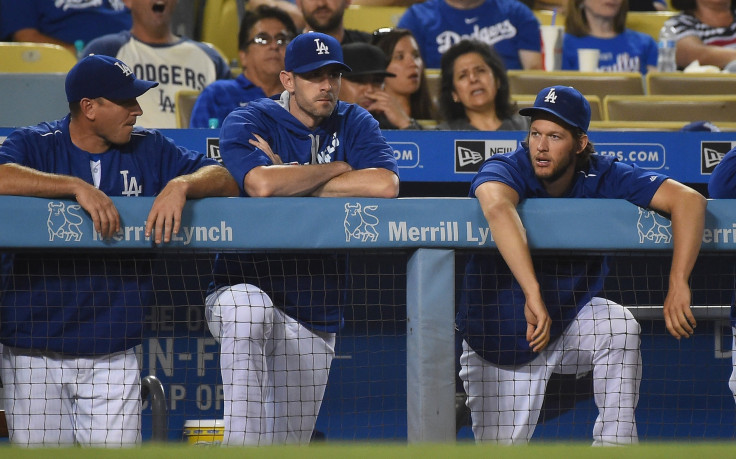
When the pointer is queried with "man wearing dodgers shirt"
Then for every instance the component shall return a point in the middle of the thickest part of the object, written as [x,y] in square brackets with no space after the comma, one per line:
[276,315]
[523,319]
[70,322]
[508,26]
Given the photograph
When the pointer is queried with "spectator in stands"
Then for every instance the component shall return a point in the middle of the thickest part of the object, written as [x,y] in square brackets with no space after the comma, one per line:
[70,322]
[409,87]
[507,25]
[366,76]
[601,24]
[264,34]
[475,92]
[524,318]
[154,52]
[706,32]
[61,22]
[276,315]
[722,185]
[326,16]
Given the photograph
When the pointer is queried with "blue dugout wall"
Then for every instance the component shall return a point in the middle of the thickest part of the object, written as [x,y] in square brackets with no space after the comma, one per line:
[424,241]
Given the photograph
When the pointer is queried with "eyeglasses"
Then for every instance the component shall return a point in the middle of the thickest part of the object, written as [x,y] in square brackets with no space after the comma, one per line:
[265,39]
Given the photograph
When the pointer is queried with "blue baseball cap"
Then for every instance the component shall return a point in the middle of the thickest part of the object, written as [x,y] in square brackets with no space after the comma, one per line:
[564,102]
[311,51]
[103,76]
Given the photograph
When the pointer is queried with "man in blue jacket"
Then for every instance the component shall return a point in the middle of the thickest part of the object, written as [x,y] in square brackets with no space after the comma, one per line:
[276,315]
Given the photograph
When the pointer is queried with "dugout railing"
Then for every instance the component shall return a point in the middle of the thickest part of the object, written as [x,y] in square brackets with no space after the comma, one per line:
[422,241]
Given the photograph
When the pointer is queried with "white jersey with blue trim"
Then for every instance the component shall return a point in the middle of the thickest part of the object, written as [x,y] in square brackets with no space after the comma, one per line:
[85,303]
[184,65]
[491,313]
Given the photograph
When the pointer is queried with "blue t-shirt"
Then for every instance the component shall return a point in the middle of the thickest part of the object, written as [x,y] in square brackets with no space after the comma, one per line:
[491,313]
[306,287]
[92,303]
[629,51]
[65,20]
[507,25]
[222,97]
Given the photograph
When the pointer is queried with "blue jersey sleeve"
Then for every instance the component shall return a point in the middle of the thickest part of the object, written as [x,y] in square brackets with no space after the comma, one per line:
[177,161]
[722,183]
[366,145]
[14,148]
[510,169]
[238,155]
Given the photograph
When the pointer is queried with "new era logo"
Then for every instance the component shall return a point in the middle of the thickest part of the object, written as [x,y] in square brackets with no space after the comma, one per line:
[467,156]
[711,153]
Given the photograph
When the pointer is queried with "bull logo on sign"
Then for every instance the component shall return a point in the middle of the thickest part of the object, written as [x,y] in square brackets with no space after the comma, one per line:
[653,227]
[63,222]
[360,223]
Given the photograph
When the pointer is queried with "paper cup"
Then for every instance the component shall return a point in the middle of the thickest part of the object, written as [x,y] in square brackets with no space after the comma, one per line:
[588,59]
[204,432]
[552,46]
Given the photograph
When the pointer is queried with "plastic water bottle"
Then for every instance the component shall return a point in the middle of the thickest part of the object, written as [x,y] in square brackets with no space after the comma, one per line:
[213,123]
[666,56]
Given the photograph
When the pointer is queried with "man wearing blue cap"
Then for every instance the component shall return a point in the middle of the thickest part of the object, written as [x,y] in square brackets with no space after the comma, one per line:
[276,315]
[523,319]
[70,322]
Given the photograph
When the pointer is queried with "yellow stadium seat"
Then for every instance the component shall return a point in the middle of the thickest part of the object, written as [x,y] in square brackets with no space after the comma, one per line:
[35,58]
[596,107]
[589,83]
[220,24]
[670,108]
[184,104]
[648,22]
[545,17]
[370,18]
[678,83]
[649,125]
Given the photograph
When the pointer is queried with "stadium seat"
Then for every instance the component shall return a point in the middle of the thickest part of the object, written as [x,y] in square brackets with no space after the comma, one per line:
[670,108]
[434,84]
[649,125]
[678,83]
[220,24]
[184,104]
[589,83]
[35,58]
[370,18]
[648,22]
[596,107]
[545,17]
[30,98]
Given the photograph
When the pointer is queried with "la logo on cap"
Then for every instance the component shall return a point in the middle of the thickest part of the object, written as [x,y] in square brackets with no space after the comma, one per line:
[321,47]
[551,97]
[126,70]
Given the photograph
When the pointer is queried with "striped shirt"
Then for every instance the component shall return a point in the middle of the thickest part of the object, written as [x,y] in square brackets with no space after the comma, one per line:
[687,25]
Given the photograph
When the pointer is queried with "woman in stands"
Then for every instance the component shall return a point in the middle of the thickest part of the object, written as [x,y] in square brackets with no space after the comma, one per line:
[600,24]
[475,91]
[706,32]
[406,97]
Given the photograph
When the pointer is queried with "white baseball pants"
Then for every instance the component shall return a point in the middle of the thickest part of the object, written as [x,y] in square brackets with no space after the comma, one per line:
[505,401]
[274,370]
[55,400]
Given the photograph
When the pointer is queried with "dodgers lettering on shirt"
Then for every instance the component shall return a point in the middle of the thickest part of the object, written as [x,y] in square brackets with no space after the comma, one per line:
[507,25]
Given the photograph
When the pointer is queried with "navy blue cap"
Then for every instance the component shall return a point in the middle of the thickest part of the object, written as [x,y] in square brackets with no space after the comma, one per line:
[103,76]
[311,51]
[564,102]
